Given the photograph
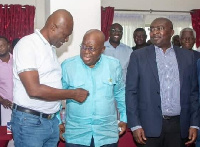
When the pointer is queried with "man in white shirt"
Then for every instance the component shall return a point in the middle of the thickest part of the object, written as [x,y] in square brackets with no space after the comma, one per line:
[37,83]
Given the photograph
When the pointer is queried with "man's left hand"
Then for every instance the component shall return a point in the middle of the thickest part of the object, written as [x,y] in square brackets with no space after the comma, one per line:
[192,136]
[62,130]
[123,126]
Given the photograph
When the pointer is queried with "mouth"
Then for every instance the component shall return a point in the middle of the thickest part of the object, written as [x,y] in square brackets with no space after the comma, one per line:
[116,37]
[85,58]
[156,38]
[61,43]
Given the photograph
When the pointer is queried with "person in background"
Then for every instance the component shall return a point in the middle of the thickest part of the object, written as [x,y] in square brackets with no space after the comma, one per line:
[176,40]
[117,49]
[187,40]
[14,42]
[162,91]
[6,83]
[148,42]
[139,36]
[94,122]
[37,87]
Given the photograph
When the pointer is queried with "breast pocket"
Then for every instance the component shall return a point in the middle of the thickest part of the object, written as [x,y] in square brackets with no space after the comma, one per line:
[108,87]
[77,84]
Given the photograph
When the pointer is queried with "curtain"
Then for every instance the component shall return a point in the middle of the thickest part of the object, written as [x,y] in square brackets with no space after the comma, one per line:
[180,22]
[16,21]
[129,23]
[195,14]
[106,20]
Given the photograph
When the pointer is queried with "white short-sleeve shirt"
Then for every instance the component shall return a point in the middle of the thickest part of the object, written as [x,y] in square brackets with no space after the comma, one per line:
[33,52]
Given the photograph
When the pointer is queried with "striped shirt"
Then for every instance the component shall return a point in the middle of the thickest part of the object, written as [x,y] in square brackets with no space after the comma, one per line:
[168,73]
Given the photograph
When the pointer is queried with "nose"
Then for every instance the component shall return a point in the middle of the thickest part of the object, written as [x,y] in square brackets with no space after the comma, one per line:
[67,39]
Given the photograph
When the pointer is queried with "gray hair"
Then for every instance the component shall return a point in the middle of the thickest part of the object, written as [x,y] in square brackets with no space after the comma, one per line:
[188,30]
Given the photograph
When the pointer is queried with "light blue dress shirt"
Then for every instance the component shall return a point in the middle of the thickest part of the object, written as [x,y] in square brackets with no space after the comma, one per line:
[168,73]
[97,116]
[122,52]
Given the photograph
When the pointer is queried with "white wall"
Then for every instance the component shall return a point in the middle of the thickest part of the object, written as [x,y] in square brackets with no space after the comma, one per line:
[177,5]
[85,17]
[39,12]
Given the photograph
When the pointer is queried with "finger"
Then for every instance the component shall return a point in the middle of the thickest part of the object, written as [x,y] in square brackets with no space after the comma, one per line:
[141,141]
[122,132]
[143,136]
[189,142]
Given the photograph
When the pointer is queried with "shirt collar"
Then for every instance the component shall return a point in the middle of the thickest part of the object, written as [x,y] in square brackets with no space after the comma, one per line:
[96,65]
[169,49]
[37,31]
[10,60]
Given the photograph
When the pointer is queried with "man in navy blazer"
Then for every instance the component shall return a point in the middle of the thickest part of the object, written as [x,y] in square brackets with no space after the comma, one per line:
[162,91]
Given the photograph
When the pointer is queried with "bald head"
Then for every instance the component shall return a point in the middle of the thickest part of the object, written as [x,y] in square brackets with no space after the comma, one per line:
[59,17]
[164,21]
[92,47]
[58,27]
[97,34]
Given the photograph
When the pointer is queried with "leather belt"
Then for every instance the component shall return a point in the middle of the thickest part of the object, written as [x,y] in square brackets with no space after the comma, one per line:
[26,110]
[169,117]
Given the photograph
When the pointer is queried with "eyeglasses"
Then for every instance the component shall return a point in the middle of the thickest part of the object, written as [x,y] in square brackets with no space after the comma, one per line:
[90,48]
[187,38]
[159,29]
[116,31]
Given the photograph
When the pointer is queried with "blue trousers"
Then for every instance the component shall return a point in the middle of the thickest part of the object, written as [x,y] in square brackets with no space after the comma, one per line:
[34,131]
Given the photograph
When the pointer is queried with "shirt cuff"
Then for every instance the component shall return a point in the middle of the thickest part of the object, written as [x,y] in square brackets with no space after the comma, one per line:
[194,127]
[135,128]
[123,117]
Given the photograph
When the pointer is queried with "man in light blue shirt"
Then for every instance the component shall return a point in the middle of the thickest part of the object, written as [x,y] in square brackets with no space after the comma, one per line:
[117,49]
[94,122]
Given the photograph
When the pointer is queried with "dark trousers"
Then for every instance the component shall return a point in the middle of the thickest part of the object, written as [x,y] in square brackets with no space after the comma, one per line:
[170,135]
[91,145]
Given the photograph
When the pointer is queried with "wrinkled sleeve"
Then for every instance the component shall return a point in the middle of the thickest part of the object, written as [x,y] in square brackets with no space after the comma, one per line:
[64,85]
[119,94]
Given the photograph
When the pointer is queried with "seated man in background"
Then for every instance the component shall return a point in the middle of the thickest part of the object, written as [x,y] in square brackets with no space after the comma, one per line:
[94,122]
[117,49]
[6,82]
[139,36]
[176,40]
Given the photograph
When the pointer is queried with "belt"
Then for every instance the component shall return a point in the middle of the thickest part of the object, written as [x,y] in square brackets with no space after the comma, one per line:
[170,117]
[26,110]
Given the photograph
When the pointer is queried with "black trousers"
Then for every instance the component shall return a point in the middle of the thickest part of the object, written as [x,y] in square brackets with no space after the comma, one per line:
[170,135]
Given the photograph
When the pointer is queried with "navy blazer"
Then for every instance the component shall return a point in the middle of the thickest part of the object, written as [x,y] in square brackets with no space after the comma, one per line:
[143,99]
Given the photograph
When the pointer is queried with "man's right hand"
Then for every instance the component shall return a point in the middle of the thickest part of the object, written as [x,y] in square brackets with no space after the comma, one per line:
[139,136]
[80,95]
[6,103]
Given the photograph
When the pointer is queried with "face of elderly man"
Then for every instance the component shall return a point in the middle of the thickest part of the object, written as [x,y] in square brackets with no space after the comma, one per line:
[92,47]
[187,40]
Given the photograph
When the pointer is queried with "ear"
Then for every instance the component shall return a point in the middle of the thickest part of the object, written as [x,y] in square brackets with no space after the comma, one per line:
[172,33]
[53,27]
[9,47]
[103,49]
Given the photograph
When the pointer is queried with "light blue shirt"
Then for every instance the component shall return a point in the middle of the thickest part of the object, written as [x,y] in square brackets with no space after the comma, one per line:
[122,52]
[168,73]
[97,116]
